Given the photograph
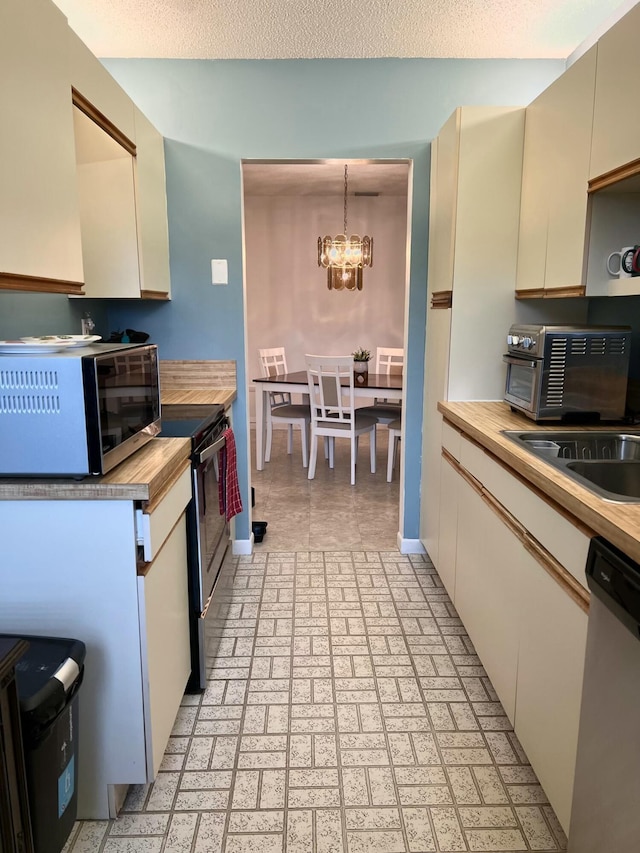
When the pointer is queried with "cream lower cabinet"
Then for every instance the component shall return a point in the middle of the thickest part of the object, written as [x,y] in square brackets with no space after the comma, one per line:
[525,614]
[166,657]
[551,652]
[487,590]
[75,568]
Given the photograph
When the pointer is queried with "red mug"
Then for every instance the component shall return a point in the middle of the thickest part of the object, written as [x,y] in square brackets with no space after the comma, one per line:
[635,261]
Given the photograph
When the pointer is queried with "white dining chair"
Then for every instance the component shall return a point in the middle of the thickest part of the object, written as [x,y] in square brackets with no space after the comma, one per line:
[395,429]
[273,362]
[333,411]
[389,361]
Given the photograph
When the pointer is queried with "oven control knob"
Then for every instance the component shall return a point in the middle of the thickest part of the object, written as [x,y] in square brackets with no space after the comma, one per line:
[509,339]
[527,343]
[515,340]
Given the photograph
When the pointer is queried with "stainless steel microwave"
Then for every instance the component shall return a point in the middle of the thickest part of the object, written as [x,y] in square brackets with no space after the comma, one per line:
[76,412]
[567,372]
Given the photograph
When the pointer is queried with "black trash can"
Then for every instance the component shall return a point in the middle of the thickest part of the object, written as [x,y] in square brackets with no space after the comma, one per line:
[48,677]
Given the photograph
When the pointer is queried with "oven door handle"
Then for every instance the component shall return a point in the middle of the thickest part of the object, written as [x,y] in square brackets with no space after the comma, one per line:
[208,452]
[519,362]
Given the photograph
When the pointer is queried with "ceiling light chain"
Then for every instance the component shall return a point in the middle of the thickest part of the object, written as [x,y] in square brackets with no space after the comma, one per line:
[344,257]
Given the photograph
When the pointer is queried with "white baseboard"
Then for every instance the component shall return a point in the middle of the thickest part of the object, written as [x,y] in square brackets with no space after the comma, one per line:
[242,547]
[410,546]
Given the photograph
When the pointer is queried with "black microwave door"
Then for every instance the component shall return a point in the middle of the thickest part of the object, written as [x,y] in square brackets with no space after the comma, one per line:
[122,399]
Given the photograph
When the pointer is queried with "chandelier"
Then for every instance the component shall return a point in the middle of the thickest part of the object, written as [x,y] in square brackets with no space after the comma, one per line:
[344,257]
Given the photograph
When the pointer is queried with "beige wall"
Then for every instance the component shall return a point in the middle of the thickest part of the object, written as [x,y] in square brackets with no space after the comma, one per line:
[288,302]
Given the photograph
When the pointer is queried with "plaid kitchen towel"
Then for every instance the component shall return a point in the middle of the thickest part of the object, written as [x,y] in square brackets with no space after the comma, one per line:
[228,487]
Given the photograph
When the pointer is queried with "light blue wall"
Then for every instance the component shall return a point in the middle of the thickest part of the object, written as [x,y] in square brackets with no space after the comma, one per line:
[213,113]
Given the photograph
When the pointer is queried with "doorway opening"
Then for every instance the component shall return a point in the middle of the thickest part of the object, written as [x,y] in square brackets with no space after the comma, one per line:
[287,206]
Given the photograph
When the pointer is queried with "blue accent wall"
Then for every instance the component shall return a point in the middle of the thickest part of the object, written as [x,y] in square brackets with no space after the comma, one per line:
[213,113]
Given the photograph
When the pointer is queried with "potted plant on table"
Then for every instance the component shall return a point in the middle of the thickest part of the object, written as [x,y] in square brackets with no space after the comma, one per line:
[361,364]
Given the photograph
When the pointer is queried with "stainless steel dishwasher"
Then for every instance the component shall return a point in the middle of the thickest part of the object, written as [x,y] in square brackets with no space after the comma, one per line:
[605,816]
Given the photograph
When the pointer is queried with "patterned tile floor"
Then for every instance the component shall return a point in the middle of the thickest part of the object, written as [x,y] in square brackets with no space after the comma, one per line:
[346,712]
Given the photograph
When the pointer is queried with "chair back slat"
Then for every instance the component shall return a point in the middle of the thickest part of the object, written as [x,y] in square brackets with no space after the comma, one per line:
[389,362]
[273,362]
[331,402]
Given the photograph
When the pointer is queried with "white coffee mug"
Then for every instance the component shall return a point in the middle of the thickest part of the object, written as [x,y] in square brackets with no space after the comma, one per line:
[623,263]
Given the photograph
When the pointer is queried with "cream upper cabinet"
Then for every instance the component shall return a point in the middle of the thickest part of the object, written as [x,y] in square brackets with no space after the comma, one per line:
[121,185]
[91,80]
[40,245]
[553,212]
[616,124]
[444,184]
[151,210]
[570,110]
[534,209]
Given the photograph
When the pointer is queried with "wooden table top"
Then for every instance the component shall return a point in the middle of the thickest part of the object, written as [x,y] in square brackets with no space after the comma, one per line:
[375,381]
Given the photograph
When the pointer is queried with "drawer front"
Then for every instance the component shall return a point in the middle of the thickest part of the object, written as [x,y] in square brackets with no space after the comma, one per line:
[566,542]
[164,641]
[154,527]
[451,440]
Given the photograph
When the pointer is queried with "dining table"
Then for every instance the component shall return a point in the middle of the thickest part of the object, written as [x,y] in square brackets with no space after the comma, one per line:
[366,386]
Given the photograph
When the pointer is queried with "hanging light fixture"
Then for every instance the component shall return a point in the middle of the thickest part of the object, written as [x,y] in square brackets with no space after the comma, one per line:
[344,257]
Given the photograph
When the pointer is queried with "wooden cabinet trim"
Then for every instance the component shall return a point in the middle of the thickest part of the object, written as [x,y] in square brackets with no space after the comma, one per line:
[102,121]
[154,294]
[442,299]
[556,507]
[552,292]
[621,173]
[35,284]
[544,558]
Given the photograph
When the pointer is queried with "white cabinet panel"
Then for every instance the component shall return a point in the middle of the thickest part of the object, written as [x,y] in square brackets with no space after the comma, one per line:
[164,635]
[616,125]
[534,205]
[151,207]
[570,115]
[448,528]
[92,80]
[487,590]
[40,231]
[109,243]
[553,209]
[553,636]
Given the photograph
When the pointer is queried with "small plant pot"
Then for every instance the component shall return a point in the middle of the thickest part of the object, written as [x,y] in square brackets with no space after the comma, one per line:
[361,372]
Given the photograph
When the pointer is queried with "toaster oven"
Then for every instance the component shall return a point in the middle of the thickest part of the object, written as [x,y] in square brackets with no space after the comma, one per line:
[567,372]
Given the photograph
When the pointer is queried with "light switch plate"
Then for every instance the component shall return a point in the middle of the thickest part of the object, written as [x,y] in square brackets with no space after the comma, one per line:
[219,272]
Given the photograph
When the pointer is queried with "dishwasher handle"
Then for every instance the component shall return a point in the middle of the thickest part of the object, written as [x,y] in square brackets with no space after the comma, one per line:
[615,579]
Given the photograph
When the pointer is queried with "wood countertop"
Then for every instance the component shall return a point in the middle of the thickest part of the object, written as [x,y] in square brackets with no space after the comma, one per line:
[143,476]
[619,523]
[198,397]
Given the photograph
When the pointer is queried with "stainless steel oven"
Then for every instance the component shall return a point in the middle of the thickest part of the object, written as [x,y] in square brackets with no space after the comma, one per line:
[567,372]
[208,531]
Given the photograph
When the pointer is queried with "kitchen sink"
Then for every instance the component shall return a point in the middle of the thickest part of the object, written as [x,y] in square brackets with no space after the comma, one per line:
[607,463]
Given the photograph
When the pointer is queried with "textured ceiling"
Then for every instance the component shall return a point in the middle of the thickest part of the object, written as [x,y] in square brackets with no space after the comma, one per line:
[325,178]
[293,29]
